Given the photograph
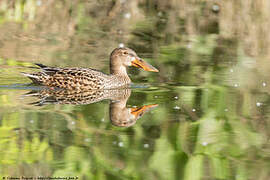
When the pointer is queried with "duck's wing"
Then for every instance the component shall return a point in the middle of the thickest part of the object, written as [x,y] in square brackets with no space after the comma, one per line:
[48,70]
[69,78]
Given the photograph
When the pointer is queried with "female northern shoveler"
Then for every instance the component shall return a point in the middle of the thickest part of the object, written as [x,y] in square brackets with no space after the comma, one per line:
[120,114]
[87,79]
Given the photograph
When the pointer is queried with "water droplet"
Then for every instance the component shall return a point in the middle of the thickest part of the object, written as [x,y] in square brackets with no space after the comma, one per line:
[204,143]
[264,84]
[258,104]
[127,15]
[146,145]
[231,70]
[176,97]
[39,2]
[120,144]
[73,122]
[236,85]
[193,110]
[120,31]
[226,110]
[155,96]
[215,8]
[176,107]
[102,119]
[121,45]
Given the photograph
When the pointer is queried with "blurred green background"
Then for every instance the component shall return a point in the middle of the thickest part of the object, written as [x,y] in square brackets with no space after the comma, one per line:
[212,121]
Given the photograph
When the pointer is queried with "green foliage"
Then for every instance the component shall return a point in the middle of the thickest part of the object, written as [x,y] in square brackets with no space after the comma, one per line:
[76,164]
[194,168]
[163,156]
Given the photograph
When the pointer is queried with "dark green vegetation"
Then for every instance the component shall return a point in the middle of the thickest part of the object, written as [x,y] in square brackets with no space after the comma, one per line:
[212,121]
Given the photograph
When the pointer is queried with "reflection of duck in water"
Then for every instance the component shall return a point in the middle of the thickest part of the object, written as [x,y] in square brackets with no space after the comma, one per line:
[86,78]
[120,115]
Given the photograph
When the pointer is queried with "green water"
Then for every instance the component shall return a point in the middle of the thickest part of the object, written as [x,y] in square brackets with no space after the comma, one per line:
[210,114]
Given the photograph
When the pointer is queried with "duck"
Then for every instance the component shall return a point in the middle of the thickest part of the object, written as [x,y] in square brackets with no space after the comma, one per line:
[77,78]
[120,115]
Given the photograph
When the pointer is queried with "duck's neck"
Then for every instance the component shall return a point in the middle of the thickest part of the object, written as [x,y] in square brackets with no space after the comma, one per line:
[119,72]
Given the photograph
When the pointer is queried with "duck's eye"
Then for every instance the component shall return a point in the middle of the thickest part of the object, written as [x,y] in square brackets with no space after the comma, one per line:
[125,53]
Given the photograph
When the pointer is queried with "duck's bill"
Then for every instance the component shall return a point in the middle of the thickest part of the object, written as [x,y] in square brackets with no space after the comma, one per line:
[139,63]
[138,112]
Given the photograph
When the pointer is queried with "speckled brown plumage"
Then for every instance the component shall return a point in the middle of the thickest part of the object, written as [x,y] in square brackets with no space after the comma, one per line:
[77,97]
[89,79]
[71,78]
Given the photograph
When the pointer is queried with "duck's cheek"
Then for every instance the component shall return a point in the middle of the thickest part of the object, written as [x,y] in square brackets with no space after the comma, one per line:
[128,63]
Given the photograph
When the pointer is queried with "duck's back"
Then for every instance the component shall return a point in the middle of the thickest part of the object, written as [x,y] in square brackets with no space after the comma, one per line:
[70,78]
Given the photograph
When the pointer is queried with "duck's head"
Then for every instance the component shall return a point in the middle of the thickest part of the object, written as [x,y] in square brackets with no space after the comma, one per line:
[126,117]
[123,57]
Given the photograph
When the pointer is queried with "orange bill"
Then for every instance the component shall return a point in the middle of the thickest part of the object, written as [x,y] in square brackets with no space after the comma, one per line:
[139,63]
[139,111]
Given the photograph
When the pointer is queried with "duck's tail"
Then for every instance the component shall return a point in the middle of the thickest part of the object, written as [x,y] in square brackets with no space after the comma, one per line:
[34,77]
[40,77]
[42,66]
